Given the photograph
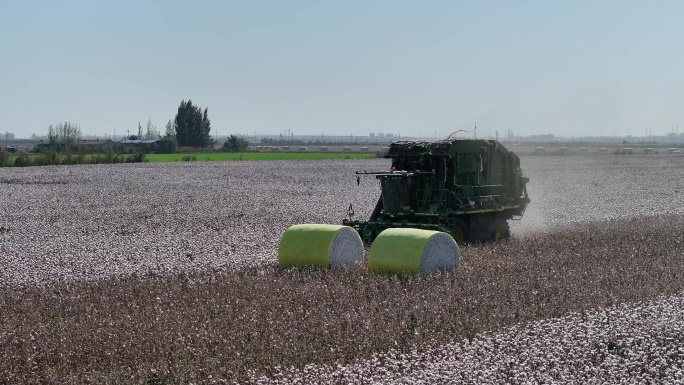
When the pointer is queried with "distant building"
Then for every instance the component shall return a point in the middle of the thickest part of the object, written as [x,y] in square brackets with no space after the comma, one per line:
[543,136]
[145,145]
[97,144]
[139,142]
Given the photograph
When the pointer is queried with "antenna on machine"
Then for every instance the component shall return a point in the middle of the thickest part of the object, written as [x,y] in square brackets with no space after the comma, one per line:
[456,132]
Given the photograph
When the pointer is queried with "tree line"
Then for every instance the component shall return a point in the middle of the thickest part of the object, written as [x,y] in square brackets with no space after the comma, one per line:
[191,127]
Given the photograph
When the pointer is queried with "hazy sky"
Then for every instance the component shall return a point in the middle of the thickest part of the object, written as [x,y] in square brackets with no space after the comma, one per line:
[569,68]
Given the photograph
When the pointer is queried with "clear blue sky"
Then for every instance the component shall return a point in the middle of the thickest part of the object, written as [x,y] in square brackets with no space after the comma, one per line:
[569,68]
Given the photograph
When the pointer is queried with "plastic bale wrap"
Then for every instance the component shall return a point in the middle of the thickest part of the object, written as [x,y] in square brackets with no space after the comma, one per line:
[405,250]
[320,245]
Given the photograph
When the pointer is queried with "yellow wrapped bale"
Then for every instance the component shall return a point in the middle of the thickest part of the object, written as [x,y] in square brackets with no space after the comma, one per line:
[405,250]
[320,245]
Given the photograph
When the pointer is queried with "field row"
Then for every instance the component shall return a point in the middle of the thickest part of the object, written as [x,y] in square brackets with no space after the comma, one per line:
[257,321]
[636,343]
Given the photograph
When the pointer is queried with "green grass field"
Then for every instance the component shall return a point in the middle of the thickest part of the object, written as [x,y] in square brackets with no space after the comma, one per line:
[228,156]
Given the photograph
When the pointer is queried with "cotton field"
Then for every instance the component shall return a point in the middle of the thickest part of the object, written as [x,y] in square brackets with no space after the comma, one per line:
[640,343]
[167,272]
[96,221]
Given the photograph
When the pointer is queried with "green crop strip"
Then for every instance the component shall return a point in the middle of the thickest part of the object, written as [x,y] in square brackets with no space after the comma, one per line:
[229,156]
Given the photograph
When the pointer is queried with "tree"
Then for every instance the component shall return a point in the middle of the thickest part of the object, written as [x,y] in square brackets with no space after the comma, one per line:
[167,145]
[65,134]
[193,126]
[151,133]
[170,129]
[236,143]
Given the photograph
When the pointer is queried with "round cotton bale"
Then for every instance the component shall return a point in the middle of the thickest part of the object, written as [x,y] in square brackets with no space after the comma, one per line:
[303,149]
[406,250]
[286,148]
[320,245]
[347,149]
[365,149]
[323,148]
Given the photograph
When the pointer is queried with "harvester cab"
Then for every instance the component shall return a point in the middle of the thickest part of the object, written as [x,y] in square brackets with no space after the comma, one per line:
[468,188]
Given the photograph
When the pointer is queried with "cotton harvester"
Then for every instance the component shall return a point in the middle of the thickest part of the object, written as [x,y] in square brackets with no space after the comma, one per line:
[468,188]
[435,195]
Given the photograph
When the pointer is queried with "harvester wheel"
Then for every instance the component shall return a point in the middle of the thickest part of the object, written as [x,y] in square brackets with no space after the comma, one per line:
[459,231]
[500,230]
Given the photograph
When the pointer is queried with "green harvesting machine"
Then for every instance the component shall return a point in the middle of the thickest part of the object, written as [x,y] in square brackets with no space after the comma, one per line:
[468,188]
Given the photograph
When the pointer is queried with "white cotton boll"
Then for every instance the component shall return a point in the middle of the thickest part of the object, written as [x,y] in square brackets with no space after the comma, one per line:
[543,359]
